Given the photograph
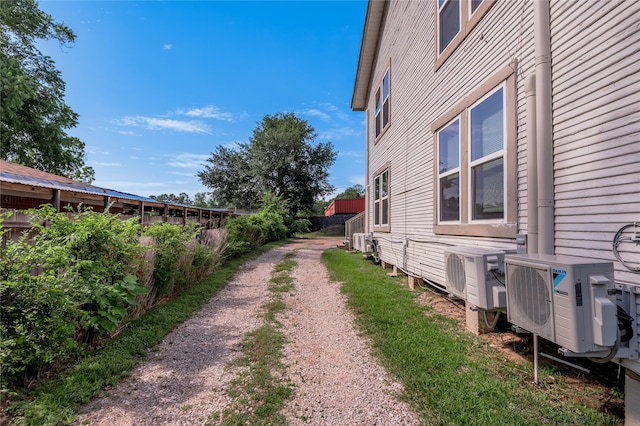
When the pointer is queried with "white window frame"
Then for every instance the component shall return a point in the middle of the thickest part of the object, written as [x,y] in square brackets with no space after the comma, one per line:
[457,170]
[487,158]
[382,102]
[442,4]
[471,11]
[467,22]
[504,78]
[379,200]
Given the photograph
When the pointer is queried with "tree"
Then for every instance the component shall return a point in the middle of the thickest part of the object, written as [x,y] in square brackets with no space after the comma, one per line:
[280,158]
[355,191]
[206,200]
[33,115]
[182,198]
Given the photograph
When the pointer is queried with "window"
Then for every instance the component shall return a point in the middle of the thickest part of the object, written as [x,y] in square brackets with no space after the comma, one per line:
[381,200]
[449,172]
[448,22]
[382,105]
[455,20]
[475,4]
[474,148]
[486,140]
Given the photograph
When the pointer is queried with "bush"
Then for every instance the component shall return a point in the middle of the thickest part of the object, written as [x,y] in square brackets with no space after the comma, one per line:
[248,232]
[179,258]
[59,289]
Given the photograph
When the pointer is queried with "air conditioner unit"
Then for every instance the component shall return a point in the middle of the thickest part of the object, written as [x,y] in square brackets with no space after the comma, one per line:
[475,274]
[567,300]
[358,241]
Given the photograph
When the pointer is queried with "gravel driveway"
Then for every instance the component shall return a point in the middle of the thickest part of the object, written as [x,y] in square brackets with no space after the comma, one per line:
[337,382]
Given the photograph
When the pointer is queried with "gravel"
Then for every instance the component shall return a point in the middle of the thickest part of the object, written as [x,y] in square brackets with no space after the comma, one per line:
[183,380]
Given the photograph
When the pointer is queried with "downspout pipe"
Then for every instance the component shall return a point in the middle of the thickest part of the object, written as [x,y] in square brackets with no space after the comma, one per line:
[532,166]
[544,131]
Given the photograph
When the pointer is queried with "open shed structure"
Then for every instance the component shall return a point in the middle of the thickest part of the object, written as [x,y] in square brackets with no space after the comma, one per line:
[23,188]
[495,127]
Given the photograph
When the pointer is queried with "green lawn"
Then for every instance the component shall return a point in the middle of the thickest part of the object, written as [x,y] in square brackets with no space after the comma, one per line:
[450,376]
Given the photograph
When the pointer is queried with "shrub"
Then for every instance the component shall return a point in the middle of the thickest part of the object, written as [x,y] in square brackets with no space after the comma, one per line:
[99,250]
[59,289]
[179,258]
[35,330]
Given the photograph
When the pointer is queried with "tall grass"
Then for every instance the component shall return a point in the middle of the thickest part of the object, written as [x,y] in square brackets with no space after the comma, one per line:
[449,376]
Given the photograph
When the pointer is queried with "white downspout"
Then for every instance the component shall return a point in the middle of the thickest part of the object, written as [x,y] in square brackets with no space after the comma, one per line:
[367,192]
[532,166]
[542,36]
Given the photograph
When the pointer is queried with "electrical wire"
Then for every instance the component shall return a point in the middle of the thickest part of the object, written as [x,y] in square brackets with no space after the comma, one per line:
[618,238]
[496,317]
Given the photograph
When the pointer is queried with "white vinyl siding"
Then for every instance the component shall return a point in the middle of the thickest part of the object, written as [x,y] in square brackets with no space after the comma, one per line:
[420,95]
[596,128]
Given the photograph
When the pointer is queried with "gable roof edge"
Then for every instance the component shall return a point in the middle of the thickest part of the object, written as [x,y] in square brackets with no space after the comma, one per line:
[368,51]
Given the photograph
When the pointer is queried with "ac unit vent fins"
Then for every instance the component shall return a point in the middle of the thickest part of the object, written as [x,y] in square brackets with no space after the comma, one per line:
[455,272]
[531,294]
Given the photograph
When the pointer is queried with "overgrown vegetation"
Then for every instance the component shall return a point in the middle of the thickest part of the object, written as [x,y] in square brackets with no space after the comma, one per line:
[273,223]
[449,376]
[262,388]
[56,401]
[72,281]
[75,292]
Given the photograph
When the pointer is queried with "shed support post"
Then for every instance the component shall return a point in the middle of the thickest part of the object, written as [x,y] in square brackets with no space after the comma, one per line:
[55,200]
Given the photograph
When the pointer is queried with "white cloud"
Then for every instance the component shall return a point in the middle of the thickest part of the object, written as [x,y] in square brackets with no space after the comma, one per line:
[316,113]
[129,133]
[339,113]
[351,154]
[107,164]
[187,160]
[168,46]
[152,123]
[209,111]
[182,174]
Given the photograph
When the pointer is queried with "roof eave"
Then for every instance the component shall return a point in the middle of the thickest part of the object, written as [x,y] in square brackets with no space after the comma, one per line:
[368,51]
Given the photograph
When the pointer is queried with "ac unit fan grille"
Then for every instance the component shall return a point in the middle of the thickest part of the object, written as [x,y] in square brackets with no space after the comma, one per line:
[455,273]
[531,295]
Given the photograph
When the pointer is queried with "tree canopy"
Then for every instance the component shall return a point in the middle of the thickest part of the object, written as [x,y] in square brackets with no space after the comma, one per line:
[355,191]
[280,158]
[33,114]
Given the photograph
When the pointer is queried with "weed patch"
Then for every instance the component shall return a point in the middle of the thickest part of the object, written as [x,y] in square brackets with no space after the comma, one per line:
[262,388]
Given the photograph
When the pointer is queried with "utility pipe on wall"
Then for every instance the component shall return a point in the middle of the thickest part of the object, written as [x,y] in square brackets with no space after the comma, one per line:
[532,166]
[544,131]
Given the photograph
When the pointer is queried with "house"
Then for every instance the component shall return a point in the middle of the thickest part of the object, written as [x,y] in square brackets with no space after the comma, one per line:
[507,125]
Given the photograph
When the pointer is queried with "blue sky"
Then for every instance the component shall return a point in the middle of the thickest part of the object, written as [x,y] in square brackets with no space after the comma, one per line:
[159,85]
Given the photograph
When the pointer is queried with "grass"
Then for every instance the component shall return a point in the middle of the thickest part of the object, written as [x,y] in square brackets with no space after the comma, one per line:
[56,401]
[330,231]
[450,376]
[261,389]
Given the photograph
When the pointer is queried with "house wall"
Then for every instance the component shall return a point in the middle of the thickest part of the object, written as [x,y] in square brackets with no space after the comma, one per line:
[596,128]
[596,121]
[420,96]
